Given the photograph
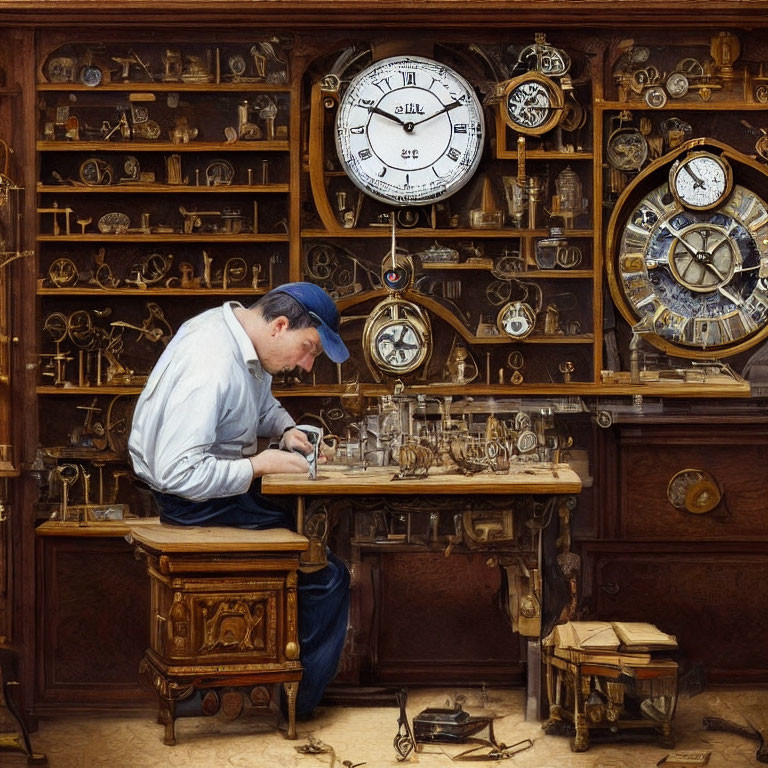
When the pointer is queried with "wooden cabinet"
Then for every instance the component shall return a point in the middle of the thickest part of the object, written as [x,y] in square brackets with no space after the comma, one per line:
[697,576]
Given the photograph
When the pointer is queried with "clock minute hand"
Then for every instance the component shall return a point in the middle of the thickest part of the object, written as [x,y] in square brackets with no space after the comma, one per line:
[697,181]
[446,108]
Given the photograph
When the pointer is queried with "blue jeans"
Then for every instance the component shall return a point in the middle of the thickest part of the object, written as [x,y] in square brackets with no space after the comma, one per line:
[323,595]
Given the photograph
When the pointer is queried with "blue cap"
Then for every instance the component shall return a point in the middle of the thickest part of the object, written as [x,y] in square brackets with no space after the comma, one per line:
[320,307]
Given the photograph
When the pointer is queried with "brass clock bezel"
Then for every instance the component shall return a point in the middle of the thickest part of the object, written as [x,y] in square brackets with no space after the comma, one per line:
[679,165]
[556,103]
[394,310]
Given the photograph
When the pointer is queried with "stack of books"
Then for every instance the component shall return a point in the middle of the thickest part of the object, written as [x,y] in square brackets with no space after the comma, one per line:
[630,643]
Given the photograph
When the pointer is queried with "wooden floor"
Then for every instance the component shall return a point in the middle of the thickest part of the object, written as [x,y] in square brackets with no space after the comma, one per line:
[364,735]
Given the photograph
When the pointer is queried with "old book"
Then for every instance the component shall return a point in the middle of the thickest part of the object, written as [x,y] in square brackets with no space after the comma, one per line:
[641,636]
[587,636]
[689,759]
[604,657]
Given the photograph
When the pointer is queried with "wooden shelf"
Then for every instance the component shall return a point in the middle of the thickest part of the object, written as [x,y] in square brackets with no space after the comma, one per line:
[104,390]
[141,293]
[542,273]
[133,189]
[161,146]
[165,87]
[385,233]
[544,154]
[676,105]
[170,238]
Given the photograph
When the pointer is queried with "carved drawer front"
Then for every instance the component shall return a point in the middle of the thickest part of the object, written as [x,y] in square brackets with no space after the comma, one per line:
[240,621]
[661,500]
[713,603]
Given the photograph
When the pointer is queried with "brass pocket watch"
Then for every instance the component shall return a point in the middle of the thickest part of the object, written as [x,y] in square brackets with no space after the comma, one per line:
[517,319]
[397,336]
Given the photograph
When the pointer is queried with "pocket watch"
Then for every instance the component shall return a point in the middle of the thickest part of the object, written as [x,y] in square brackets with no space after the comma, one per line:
[695,274]
[409,130]
[532,103]
[700,180]
[397,338]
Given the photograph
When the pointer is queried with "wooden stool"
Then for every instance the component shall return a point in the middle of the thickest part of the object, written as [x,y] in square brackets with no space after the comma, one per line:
[223,611]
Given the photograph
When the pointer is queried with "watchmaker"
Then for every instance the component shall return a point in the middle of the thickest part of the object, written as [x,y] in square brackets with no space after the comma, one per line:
[194,440]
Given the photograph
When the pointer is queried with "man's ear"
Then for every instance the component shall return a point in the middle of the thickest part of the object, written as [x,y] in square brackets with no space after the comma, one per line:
[280,325]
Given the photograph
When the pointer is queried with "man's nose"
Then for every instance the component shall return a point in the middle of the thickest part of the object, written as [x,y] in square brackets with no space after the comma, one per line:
[307,362]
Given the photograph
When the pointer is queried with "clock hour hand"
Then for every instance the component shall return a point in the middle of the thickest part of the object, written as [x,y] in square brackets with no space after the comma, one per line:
[388,115]
[446,108]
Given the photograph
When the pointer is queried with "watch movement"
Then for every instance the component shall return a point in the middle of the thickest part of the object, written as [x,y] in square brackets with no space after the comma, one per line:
[532,103]
[409,130]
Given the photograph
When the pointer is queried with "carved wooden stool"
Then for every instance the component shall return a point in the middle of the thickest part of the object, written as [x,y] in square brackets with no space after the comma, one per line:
[224,613]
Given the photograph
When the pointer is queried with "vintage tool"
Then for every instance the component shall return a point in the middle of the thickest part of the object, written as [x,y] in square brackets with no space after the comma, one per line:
[314,435]
[404,739]
[750,730]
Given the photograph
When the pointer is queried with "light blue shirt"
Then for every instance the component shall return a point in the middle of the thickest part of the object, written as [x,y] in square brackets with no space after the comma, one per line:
[205,404]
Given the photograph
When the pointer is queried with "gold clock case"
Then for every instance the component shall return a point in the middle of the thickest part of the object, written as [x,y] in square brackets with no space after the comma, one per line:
[395,309]
[745,169]
[557,101]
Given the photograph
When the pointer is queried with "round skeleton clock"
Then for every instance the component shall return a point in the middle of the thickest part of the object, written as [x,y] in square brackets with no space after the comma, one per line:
[691,258]
[532,103]
[409,131]
[397,337]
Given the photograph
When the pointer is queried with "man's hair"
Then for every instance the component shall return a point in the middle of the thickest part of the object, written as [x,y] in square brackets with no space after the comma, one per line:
[276,304]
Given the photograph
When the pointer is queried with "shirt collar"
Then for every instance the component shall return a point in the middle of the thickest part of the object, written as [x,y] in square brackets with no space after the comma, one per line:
[244,344]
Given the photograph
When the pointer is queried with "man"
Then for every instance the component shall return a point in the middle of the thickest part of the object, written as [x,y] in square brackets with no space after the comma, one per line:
[194,440]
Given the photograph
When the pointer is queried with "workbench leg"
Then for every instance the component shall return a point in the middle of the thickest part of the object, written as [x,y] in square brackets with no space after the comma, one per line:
[291,689]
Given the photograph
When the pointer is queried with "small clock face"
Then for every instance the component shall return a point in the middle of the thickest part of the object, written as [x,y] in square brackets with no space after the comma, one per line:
[700,180]
[398,347]
[409,131]
[626,149]
[516,319]
[532,103]
[677,85]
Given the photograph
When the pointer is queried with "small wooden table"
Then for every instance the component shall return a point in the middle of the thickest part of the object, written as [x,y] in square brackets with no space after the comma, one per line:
[618,696]
[223,611]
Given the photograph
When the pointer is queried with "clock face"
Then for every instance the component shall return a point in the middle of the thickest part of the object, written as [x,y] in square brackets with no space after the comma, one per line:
[398,347]
[516,319]
[696,274]
[532,103]
[409,131]
[700,180]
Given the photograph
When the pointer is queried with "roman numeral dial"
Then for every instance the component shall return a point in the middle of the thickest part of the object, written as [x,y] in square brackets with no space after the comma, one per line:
[409,131]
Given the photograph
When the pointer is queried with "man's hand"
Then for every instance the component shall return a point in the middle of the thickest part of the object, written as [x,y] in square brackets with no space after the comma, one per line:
[272,461]
[296,440]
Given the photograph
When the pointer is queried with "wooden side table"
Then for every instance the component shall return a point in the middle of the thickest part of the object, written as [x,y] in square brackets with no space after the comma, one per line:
[588,694]
[223,611]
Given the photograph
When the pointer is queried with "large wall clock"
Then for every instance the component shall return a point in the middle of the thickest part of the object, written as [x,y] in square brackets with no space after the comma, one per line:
[409,130]
[691,257]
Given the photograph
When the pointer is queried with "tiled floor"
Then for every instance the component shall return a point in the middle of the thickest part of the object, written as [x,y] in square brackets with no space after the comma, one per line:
[365,735]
